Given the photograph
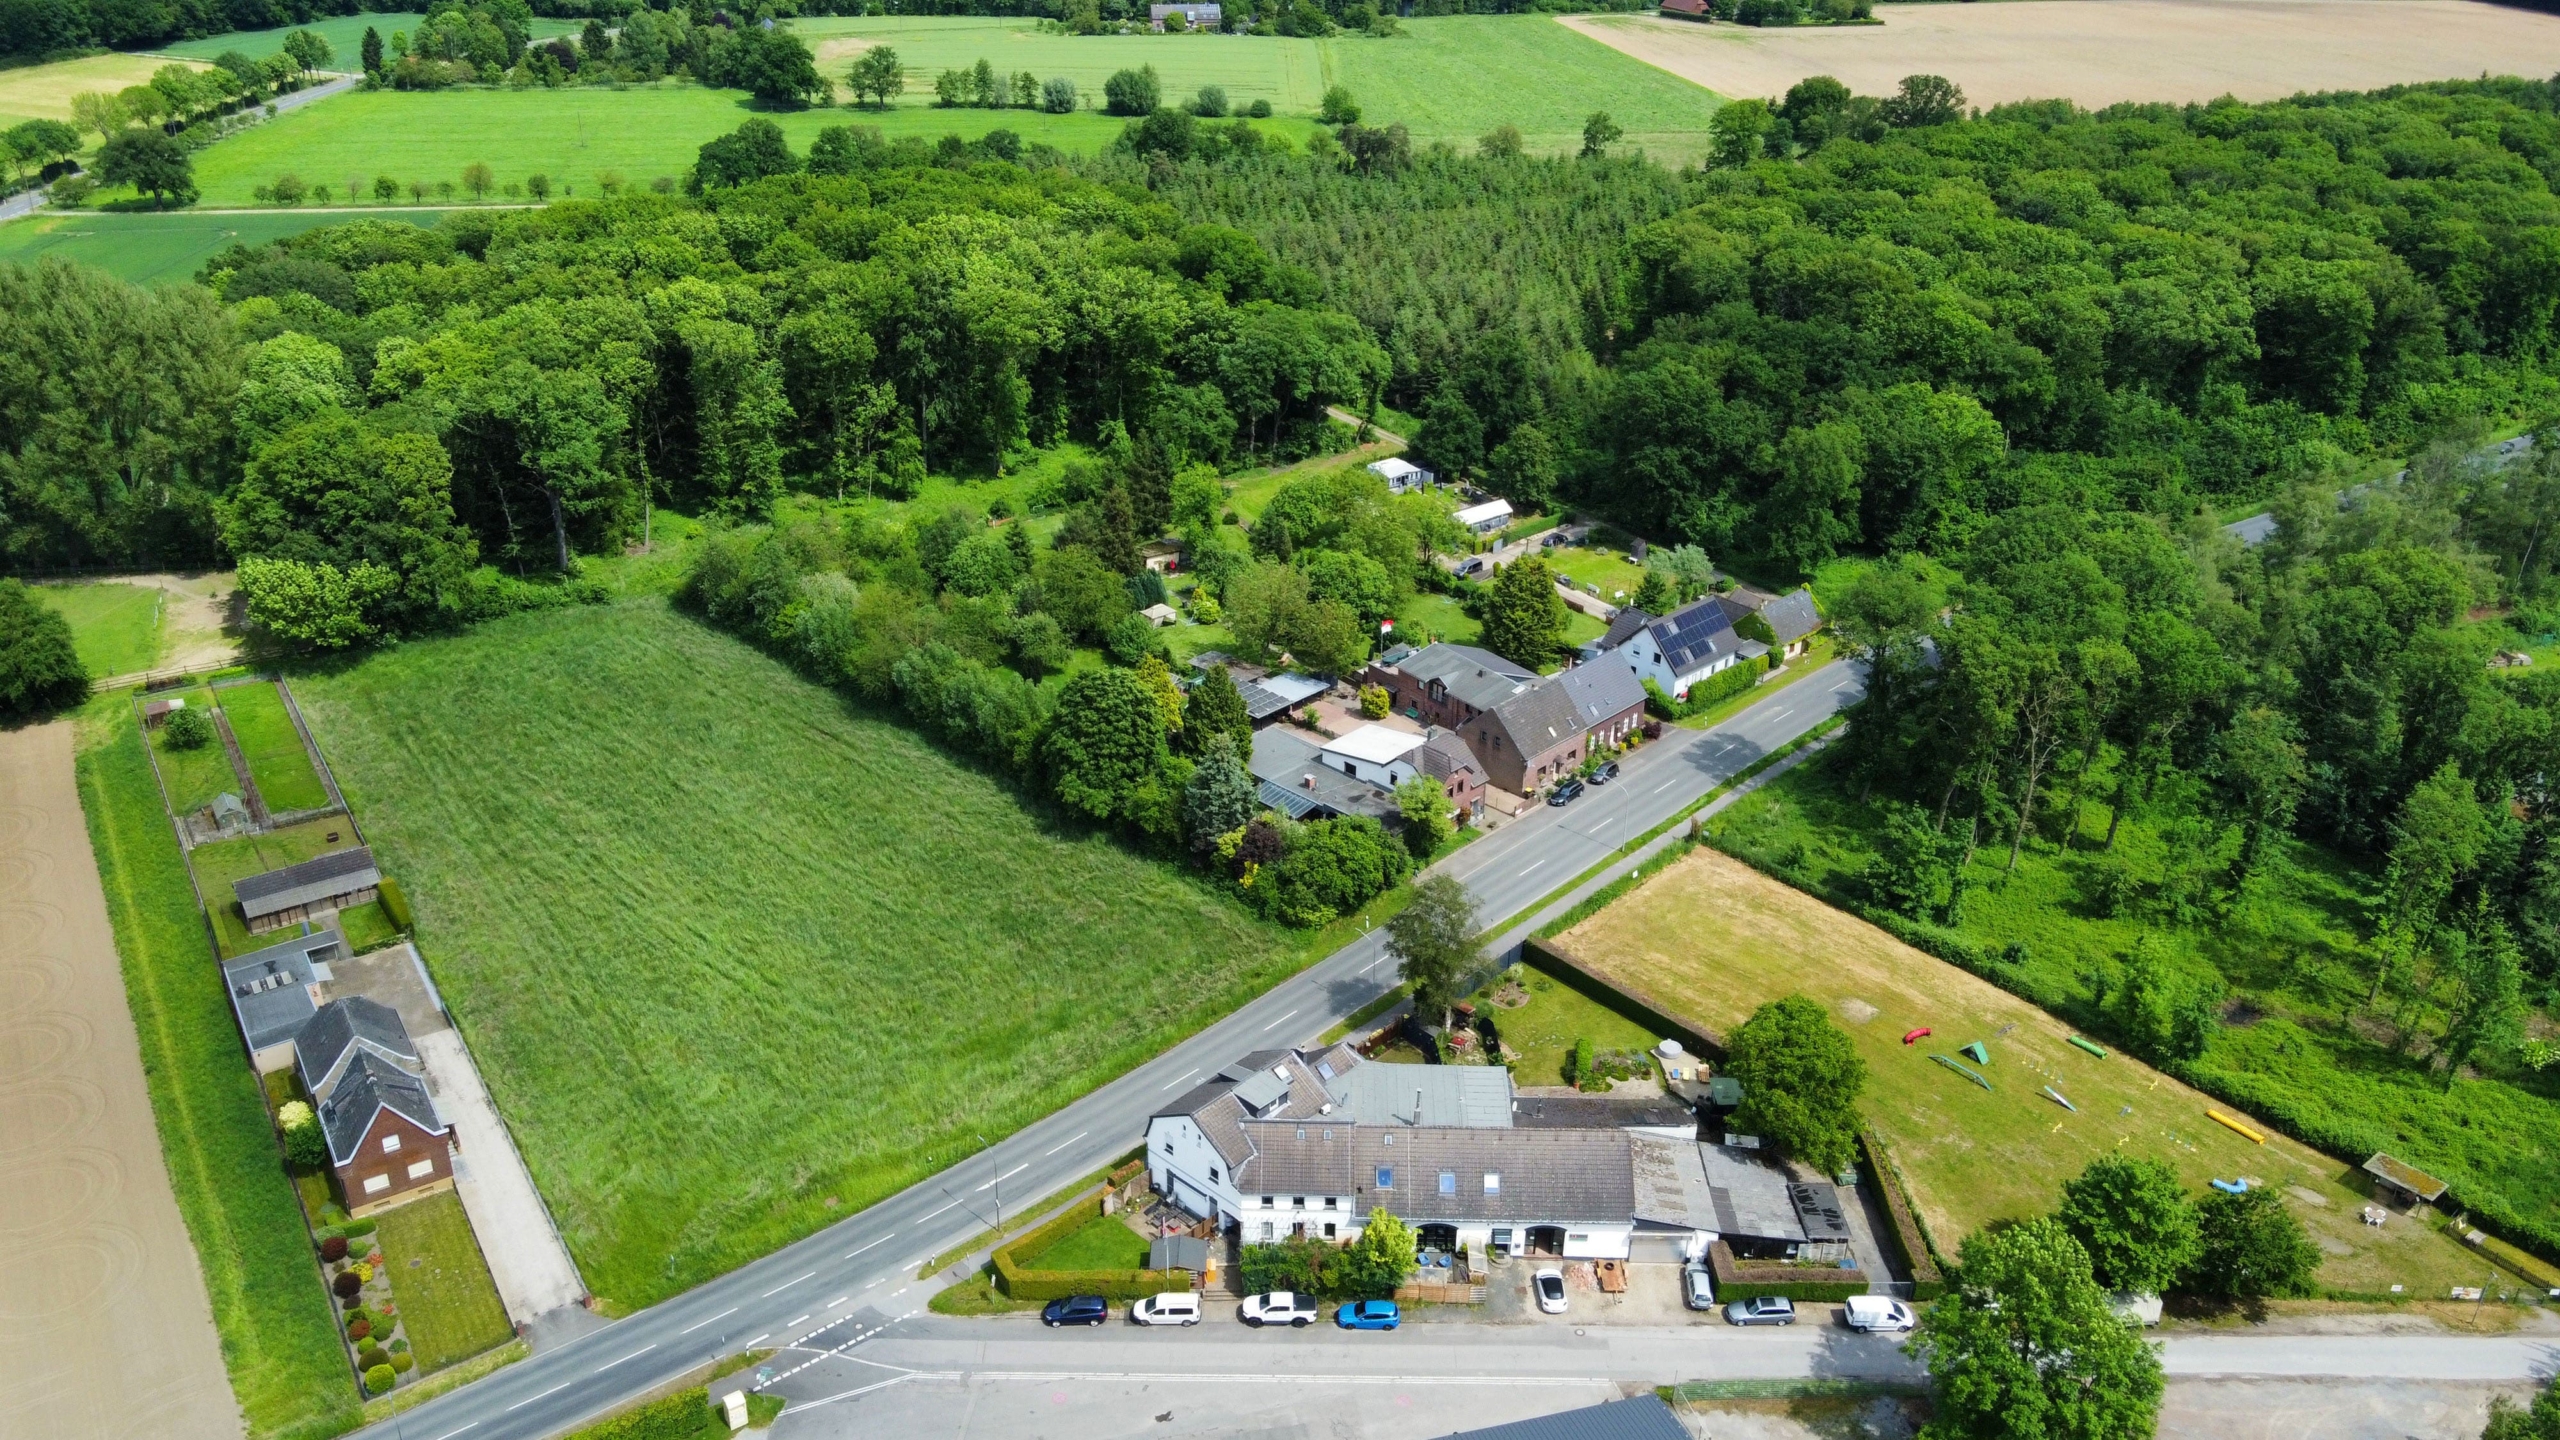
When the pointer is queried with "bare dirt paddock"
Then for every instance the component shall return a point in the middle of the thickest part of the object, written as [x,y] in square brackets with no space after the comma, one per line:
[2099,52]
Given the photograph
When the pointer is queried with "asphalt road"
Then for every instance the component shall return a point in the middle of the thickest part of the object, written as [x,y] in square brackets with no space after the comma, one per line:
[856,1277]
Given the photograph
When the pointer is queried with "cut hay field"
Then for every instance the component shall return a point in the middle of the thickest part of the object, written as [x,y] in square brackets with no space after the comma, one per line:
[737,959]
[116,627]
[1709,939]
[43,92]
[1457,77]
[2101,52]
[163,249]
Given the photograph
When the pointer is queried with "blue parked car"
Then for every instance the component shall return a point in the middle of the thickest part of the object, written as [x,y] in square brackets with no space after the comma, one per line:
[1367,1315]
[1076,1310]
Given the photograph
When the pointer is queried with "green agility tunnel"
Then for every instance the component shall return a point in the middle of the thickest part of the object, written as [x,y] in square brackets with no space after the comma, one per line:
[2085,1045]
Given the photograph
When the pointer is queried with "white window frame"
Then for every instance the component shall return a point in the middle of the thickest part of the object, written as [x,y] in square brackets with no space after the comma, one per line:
[423,1168]
[390,1144]
[375,1185]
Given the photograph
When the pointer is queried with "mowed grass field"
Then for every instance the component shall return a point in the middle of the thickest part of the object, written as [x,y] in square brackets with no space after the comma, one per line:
[1288,73]
[278,760]
[1709,939]
[164,249]
[43,92]
[1456,77]
[115,627]
[345,34]
[736,958]
[278,1328]
[448,1304]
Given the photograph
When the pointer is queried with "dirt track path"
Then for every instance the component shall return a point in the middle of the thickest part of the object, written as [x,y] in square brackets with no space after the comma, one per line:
[104,1327]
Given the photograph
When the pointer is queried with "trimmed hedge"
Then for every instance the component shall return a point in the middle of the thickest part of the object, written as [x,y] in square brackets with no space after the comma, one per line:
[1024,1284]
[1918,1250]
[685,1415]
[1742,1280]
[1723,685]
[395,905]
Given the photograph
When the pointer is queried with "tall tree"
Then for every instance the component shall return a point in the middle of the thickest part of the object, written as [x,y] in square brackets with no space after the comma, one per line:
[1220,797]
[2135,1220]
[878,73]
[152,162]
[1433,939]
[2028,1348]
[1215,707]
[1106,745]
[40,670]
[1800,1081]
[2252,1248]
[1523,616]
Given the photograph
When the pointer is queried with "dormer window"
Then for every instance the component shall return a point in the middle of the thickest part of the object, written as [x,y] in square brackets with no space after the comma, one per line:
[1493,1182]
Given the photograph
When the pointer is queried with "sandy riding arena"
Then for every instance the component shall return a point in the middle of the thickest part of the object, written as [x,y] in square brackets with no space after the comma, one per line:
[2099,52]
[104,1327]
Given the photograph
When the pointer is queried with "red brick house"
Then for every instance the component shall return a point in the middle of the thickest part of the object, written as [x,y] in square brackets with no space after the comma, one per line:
[386,1141]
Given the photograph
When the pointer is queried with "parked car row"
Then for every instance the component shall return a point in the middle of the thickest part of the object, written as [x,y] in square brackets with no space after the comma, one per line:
[1183,1307]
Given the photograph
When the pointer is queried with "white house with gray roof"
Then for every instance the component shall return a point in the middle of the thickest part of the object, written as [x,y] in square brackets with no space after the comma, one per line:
[1681,648]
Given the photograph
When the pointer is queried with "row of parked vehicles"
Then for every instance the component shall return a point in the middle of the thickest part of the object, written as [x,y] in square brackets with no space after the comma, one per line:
[1873,1313]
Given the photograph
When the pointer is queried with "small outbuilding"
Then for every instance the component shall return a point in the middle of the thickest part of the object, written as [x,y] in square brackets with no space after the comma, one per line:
[1688,9]
[2402,1182]
[334,881]
[155,711]
[1196,14]
[1486,518]
[1161,615]
[1179,1252]
[1401,475]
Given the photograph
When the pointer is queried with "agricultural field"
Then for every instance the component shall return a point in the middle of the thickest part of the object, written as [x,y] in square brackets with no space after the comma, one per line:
[2125,50]
[448,1304]
[164,249]
[115,627]
[345,34]
[1708,939]
[1291,74]
[43,92]
[278,1329]
[2296,1029]
[278,760]
[1456,77]
[688,907]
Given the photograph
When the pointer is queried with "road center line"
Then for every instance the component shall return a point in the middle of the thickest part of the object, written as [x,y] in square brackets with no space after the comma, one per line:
[838,1301]
[1533,867]
[785,1285]
[931,1213]
[1276,1022]
[883,1240]
[1009,1174]
[1178,1079]
[1063,1144]
[449,1434]
[750,1345]
[554,1390]
[698,1324]
[634,1355]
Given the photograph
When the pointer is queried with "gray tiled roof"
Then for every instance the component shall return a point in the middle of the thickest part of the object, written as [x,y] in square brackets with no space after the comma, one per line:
[1623,626]
[1572,1112]
[1644,1417]
[271,988]
[370,1086]
[1695,635]
[1214,1107]
[1749,1194]
[1792,616]
[1464,1096]
[1601,692]
[1444,754]
[1288,762]
[1540,718]
[1548,1176]
[336,873]
[1475,677]
[342,1024]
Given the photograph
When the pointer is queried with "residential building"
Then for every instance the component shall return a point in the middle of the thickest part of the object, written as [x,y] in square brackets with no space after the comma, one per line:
[1530,740]
[1681,648]
[1443,684]
[1198,14]
[387,1142]
[1401,475]
[1293,777]
[1609,700]
[274,994]
[295,893]
[1380,754]
[1486,518]
[1524,731]
[1162,556]
[1785,623]
[1445,758]
[342,1030]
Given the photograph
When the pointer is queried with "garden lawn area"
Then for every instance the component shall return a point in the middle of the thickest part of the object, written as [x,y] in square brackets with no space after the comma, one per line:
[448,1304]
[1708,940]
[167,248]
[43,92]
[115,626]
[278,1330]
[1455,77]
[345,34]
[195,776]
[1543,1031]
[226,862]
[736,957]
[366,927]
[1101,1243]
[2291,950]
[278,760]
[1291,74]
[1611,570]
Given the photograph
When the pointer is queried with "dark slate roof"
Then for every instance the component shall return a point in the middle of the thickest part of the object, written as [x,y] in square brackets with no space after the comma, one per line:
[271,988]
[1548,1176]
[335,873]
[1540,718]
[1643,1418]
[1179,1252]
[1273,694]
[1222,1117]
[1287,762]
[1792,616]
[1475,677]
[1623,626]
[1601,692]
[1584,1112]
[1695,635]
[371,1086]
[344,1023]
[1444,753]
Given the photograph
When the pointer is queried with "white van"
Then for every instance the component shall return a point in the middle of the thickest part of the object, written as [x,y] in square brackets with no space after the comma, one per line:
[1174,1307]
[1877,1313]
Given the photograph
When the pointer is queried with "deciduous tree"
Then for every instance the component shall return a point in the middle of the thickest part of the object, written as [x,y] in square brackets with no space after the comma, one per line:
[1800,1081]
[2028,1349]
[40,670]
[2251,1248]
[1523,616]
[2135,1220]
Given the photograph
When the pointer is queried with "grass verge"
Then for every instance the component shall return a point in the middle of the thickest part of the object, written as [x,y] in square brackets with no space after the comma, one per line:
[278,1331]
[383,1407]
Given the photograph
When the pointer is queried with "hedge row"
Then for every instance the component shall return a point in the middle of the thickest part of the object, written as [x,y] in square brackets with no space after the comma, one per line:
[685,1415]
[2312,1124]
[1024,1284]
[1723,685]
[1918,1250]
[1740,1280]
[395,905]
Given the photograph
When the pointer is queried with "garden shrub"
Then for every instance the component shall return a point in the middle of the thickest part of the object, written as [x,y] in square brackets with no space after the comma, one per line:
[333,1248]
[347,1284]
[186,730]
[402,1362]
[395,905]
[370,1357]
[380,1378]
[359,1326]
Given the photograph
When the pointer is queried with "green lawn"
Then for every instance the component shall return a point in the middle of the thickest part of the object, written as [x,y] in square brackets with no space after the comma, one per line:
[345,34]
[278,760]
[1456,77]
[1611,570]
[195,776]
[367,928]
[116,626]
[278,1331]
[449,1307]
[2290,950]
[224,862]
[160,249]
[1102,1243]
[735,957]
[1544,1030]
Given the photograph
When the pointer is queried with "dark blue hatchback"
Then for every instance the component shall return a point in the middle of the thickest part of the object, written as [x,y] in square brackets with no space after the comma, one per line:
[1076,1310]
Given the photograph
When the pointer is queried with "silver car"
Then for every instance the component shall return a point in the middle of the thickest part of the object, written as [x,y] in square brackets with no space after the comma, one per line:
[1697,1288]
[1765,1310]
[1548,1286]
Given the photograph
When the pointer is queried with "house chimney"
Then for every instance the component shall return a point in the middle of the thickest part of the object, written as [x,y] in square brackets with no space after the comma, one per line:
[1308,781]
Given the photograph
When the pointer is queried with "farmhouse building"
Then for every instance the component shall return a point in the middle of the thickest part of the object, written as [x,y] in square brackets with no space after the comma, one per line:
[1401,475]
[1197,14]
[1524,731]
[1607,699]
[274,994]
[1442,684]
[1681,648]
[293,894]
[1445,758]
[386,1140]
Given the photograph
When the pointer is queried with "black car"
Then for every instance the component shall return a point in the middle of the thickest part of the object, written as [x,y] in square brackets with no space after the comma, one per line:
[1605,773]
[1563,794]
[1077,1310]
